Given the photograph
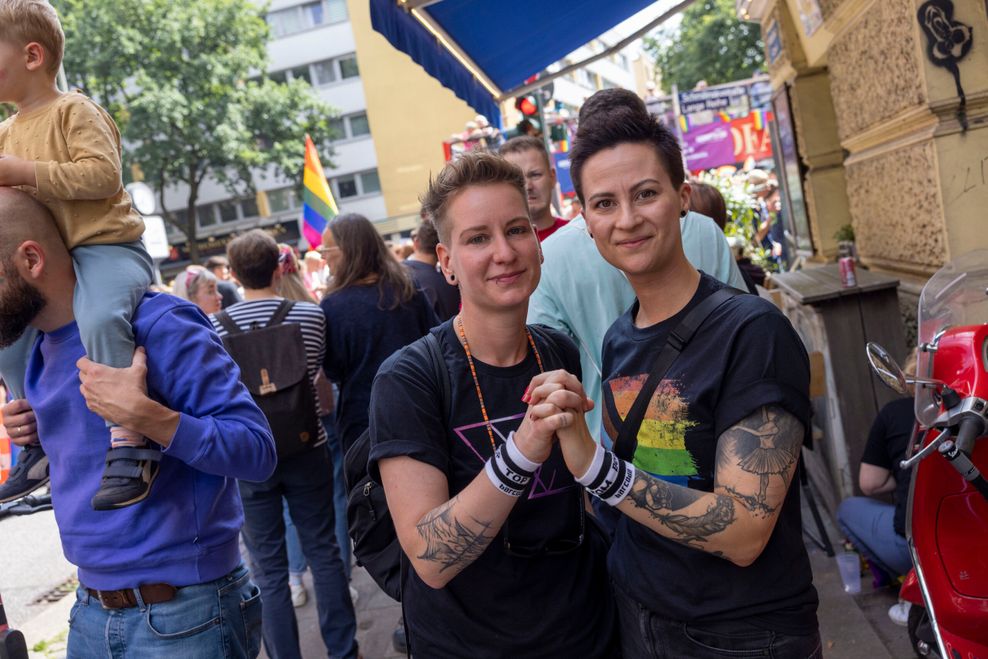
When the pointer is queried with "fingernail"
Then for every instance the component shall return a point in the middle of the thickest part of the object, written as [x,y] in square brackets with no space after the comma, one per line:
[524,396]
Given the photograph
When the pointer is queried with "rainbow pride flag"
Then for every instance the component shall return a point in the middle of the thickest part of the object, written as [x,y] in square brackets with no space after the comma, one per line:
[318,205]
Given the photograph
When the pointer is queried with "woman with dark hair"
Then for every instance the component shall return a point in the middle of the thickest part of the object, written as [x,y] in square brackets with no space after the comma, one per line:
[707,200]
[708,558]
[372,309]
[503,559]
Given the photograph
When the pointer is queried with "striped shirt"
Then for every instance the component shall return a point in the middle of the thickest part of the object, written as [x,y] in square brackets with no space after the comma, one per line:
[257,313]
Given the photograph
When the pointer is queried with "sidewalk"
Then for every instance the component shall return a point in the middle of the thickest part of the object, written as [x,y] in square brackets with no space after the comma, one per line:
[851,627]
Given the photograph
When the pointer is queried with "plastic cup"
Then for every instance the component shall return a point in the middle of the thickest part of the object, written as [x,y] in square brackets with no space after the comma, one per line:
[849,565]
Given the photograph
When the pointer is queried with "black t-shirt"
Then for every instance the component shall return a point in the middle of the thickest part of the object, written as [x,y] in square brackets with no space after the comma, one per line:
[502,605]
[360,335]
[228,293]
[745,356]
[887,443]
[444,298]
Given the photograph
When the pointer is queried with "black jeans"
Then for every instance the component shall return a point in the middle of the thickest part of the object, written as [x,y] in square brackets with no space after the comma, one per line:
[645,635]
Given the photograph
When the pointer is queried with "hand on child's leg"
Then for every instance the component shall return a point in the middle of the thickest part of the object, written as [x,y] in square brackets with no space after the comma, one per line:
[18,419]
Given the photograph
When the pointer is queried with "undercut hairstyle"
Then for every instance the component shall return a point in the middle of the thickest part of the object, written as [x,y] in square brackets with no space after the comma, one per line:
[26,21]
[707,200]
[525,143]
[426,237]
[615,116]
[365,256]
[473,168]
[253,259]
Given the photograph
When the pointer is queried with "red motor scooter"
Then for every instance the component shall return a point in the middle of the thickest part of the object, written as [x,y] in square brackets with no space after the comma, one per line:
[947,519]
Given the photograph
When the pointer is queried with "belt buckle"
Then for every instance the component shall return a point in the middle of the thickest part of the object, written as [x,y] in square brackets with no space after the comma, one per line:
[109,600]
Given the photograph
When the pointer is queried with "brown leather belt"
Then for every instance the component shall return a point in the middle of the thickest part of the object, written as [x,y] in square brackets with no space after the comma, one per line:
[152,593]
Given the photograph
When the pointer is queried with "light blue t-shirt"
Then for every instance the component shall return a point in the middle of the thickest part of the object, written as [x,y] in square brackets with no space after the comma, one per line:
[582,294]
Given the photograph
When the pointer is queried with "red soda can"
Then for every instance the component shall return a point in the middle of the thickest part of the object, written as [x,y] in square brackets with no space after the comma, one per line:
[848,279]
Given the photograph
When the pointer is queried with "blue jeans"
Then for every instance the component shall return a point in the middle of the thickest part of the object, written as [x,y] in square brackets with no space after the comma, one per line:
[646,635]
[305,481]
[296,558]
[869,525]
[221,618]
[339,490]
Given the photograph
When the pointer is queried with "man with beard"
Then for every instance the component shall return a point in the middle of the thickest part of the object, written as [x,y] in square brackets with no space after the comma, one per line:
[178,551]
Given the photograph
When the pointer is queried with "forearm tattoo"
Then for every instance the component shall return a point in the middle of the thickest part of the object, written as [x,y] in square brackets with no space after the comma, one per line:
[765,444]
[450,542]
[662,500]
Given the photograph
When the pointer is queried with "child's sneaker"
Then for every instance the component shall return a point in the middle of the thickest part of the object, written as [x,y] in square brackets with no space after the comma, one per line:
[128,476]
[30,473]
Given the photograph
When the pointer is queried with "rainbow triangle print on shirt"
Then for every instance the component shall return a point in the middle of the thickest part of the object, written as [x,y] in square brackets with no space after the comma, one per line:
[661,447]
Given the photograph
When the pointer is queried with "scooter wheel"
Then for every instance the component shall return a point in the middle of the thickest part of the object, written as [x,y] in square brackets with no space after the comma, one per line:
[921,633]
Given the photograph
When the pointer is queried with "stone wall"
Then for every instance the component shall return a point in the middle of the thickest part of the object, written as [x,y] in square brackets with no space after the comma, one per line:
[895,203]
[875,73]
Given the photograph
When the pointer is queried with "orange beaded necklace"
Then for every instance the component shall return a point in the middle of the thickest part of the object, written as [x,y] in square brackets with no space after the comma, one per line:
[476,381]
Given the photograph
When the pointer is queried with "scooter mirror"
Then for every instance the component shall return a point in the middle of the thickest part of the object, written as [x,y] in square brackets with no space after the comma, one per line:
[886,368]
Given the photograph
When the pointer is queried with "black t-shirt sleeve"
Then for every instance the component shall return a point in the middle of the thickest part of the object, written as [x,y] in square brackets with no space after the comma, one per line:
[876,449]
[406,417]
[767,366]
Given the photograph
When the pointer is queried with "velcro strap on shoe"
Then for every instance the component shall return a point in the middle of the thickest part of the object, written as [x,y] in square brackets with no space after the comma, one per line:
[133,453]
[118,469]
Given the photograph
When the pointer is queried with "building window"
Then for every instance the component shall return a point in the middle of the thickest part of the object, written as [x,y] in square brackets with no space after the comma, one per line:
[305,16]
[348,67]
[356,185]
[248,207]
[370,182]
[324,72]
[359,126]
[301,73]
[281,200]
[349,127]
[206,215]
[228,210]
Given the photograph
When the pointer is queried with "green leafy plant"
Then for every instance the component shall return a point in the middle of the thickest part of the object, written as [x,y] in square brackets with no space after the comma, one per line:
[845,234]
[741,221]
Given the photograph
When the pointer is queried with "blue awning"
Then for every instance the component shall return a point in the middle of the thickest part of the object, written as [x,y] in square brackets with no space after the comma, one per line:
[505,42]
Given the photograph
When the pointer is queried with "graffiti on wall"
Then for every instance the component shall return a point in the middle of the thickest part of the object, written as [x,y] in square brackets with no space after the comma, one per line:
[947,43]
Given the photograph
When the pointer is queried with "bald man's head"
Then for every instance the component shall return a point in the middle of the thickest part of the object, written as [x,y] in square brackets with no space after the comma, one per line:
[22,218]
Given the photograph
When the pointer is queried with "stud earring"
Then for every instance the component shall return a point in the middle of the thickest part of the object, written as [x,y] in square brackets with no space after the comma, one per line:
[683,212]
[452,277]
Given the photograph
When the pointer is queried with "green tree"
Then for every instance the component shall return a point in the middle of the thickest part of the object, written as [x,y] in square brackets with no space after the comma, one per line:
[183,79]
[710,44]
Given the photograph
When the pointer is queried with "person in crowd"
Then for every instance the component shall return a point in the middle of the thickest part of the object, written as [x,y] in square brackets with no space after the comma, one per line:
[304,481]
[198,285]
[220,267]
[582,294]
[372,308]
[422,266]
[503,560]
[66,150]
[162,579]
[708,558]
[314,274]
[707,200]
[877,528]
[529,154]
[291,285]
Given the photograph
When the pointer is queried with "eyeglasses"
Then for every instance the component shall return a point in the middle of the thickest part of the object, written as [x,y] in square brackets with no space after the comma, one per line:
[552,546]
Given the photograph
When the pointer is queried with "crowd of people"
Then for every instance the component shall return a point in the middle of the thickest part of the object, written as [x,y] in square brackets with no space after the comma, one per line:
[601,467]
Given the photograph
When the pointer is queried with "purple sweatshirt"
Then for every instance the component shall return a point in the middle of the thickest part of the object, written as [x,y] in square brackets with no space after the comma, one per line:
[185,532]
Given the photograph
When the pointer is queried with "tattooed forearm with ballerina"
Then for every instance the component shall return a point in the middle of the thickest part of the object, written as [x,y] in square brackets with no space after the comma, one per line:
[756,460]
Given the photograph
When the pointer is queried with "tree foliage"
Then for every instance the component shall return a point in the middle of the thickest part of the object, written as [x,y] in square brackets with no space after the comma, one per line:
[183,80]
[710,44]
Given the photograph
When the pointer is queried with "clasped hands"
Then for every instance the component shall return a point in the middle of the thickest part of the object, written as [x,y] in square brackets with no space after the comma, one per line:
[557,403]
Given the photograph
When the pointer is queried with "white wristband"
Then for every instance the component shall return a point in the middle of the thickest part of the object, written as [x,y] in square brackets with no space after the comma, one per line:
[595,463]
[608,478]
[518,457]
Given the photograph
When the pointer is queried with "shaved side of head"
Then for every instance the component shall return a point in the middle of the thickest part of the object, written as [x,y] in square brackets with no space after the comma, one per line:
[22,218]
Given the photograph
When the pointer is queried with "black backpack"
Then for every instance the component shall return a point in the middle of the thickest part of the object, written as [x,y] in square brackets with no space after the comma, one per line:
[375,541]
[273,367]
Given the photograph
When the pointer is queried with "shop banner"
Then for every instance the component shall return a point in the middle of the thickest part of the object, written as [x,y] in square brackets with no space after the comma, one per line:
[728,143]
